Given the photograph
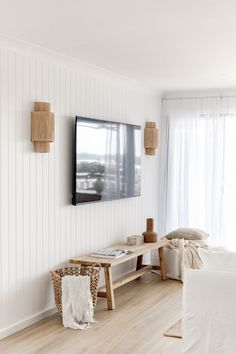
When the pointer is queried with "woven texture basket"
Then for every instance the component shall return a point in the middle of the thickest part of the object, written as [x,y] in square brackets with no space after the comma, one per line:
[58,274]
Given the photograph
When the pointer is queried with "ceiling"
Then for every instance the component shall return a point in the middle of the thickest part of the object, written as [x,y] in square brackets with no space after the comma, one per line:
[166,44]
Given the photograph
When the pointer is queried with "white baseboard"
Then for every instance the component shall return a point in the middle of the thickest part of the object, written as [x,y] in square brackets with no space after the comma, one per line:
[5,332]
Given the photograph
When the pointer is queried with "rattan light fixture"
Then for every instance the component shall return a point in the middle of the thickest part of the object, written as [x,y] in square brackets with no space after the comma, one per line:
[150,138]
[42,127]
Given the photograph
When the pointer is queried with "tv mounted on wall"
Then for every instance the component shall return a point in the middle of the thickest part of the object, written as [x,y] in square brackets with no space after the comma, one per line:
[107,160]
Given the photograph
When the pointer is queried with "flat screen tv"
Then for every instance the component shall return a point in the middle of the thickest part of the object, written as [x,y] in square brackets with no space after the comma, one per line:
[107,162]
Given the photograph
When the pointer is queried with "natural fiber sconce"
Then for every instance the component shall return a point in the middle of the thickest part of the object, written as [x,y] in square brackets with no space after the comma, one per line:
[42,127]
[150,138]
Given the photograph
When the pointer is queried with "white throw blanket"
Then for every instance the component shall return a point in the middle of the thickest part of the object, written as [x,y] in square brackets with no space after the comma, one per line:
[188,253]
[77,305]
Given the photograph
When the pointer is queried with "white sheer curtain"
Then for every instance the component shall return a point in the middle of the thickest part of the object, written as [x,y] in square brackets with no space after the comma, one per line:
[198,170]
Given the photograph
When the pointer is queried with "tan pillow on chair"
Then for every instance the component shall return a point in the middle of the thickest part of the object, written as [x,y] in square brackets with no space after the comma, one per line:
[188,234]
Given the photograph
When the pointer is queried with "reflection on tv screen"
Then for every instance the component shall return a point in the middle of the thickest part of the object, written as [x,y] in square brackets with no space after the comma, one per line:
[108,160]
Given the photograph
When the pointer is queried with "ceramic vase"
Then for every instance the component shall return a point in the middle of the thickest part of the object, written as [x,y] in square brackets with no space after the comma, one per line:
[149,235]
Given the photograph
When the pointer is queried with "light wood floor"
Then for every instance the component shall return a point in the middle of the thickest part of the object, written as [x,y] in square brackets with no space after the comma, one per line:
[145,308]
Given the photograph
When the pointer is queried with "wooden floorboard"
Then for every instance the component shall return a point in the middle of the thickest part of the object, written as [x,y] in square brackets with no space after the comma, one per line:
[145,308]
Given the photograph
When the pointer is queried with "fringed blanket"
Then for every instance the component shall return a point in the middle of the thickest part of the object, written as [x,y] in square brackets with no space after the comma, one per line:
[77,305]
[188,253]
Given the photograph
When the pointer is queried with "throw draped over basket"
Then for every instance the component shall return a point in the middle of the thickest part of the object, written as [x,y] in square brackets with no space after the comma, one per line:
[92,272]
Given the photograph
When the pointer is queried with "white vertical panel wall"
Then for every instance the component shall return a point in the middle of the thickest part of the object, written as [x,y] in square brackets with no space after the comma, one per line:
[40,229]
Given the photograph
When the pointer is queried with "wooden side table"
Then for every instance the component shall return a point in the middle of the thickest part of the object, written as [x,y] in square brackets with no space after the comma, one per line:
[108,290]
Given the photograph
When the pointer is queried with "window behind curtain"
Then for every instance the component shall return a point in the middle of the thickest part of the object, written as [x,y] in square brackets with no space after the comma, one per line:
[198,172]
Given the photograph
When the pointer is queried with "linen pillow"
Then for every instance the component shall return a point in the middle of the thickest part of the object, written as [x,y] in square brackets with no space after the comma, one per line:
[188,234]
[218,260]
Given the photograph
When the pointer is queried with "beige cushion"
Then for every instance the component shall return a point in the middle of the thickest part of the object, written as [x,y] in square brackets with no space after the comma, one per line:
[187,234]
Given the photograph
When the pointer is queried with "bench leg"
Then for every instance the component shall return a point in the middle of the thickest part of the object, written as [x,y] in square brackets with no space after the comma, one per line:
[139,262]
[162,263]
[109,288]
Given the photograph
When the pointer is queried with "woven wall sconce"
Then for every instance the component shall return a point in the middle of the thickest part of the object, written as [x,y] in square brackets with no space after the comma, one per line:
[150,138]
[42,127]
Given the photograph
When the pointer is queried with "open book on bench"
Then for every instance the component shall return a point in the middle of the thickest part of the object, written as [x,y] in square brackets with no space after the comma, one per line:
[111,253]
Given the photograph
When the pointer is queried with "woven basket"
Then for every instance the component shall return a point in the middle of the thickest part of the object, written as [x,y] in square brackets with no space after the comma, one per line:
[58,274]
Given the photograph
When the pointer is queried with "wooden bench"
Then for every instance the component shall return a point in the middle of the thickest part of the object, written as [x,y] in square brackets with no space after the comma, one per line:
[108,290]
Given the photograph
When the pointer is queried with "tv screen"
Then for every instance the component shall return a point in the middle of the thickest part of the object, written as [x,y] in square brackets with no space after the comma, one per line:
[107,160]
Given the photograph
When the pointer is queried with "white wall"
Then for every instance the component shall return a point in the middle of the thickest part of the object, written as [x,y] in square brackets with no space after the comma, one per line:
[40,229]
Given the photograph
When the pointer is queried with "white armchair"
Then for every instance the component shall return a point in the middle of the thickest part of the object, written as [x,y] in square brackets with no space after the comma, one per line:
[209,311]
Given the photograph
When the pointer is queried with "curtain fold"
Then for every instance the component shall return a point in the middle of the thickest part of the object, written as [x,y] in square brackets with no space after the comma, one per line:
[197,185]
[119,176]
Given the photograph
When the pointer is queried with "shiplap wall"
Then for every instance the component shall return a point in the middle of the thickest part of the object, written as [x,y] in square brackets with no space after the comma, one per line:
[40,229]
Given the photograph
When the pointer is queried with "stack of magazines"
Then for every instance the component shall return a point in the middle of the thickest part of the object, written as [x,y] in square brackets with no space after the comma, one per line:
[111,253]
